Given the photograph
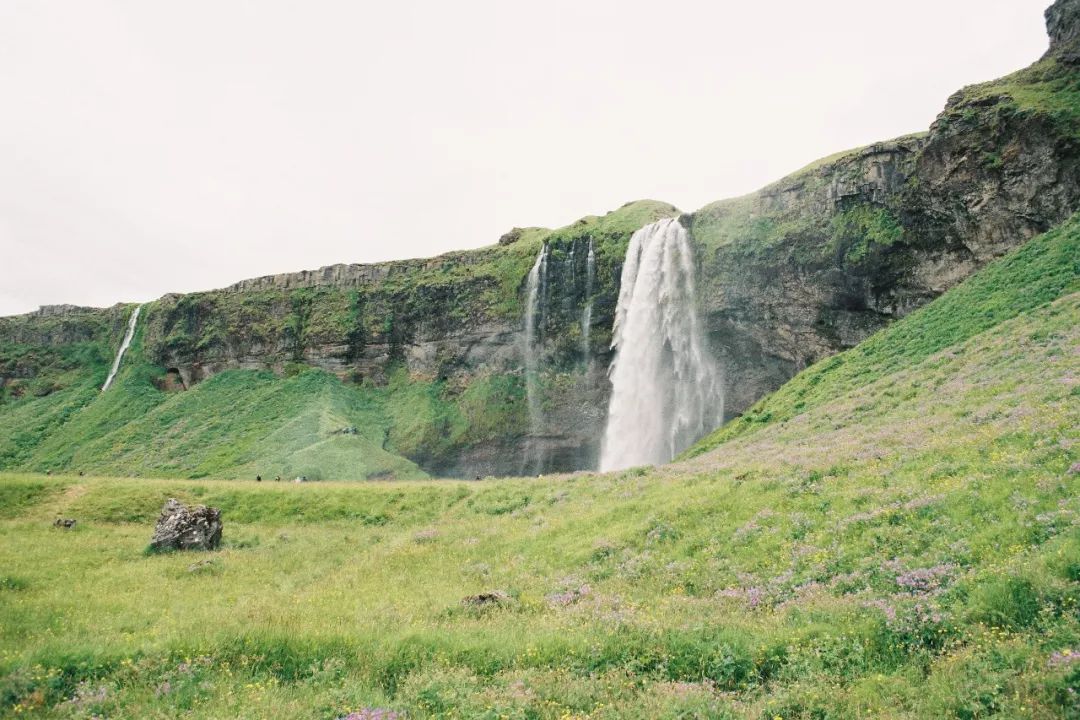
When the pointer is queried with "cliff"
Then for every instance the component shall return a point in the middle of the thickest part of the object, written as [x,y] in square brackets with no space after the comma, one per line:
[800,270]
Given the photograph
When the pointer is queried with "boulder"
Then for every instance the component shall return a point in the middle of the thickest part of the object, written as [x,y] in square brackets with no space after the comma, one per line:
[182,528]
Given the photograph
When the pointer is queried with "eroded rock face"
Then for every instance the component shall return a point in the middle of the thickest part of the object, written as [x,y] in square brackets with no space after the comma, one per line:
[1063,24]
[182,528]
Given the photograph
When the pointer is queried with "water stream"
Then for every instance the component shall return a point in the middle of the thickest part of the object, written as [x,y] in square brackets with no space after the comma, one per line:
[123,347]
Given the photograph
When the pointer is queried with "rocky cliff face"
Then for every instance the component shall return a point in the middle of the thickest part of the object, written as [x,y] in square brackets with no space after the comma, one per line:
[1063,25]
[795,272]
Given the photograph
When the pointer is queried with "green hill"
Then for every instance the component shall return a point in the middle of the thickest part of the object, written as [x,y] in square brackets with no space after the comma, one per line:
[894,534]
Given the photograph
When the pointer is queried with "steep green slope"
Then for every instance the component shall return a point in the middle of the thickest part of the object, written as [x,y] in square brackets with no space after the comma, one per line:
[906,545]
[237,424]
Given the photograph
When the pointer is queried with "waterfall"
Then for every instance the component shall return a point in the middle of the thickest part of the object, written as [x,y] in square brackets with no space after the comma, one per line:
[586,314]
[569,289]
[536,292]
[123,347]
[666,389]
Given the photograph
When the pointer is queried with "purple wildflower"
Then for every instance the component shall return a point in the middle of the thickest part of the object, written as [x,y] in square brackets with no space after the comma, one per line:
[1063,658]
[885,607]
[568,596]
[925,580]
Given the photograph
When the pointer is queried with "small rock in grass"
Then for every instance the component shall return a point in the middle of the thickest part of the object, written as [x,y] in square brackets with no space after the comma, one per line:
[201,565]
[486,599]
[1075,469]
[426,536]
[182,528]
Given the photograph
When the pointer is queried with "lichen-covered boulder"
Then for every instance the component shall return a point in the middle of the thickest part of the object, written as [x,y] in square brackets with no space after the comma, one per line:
[182,528]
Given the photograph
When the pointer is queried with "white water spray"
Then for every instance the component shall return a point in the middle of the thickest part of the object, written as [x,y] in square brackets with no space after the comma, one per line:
[535,301]
[666,388]
[123,347]
[586,314]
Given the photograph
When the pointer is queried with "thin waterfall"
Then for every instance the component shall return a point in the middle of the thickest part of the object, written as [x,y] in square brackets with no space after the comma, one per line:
[568,291]
[586,314]
[536,292]
[123,347]
[666,388]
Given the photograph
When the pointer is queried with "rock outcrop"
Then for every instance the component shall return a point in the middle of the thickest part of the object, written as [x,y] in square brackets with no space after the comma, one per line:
[182,528]
[1063,24]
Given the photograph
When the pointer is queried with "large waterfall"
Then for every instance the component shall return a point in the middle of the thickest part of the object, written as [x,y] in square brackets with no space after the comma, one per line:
[666,388]
[123,347]
[536,292]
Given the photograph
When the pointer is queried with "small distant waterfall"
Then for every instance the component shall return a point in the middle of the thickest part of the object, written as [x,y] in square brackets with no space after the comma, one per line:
[536,293]
[123,347]
[666,389]
[586,314]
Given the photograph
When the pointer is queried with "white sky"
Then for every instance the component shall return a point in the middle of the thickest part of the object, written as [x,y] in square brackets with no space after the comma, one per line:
[151,146]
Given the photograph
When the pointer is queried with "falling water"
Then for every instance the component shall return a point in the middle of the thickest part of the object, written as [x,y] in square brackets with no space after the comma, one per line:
[571,269]
[535,302]
[586,314]
[123,347]
[666,389]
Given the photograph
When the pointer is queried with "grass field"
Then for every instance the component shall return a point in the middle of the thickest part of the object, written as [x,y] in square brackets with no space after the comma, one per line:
[905,543]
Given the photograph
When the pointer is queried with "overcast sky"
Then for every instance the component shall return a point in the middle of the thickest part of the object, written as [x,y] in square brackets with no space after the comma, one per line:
[149,146]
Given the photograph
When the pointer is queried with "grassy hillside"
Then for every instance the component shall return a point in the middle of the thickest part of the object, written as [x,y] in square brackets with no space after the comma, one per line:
[904,544]
[243,423]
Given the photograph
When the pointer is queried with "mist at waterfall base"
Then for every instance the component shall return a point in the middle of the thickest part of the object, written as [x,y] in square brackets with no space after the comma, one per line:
[666,387]
[132,321]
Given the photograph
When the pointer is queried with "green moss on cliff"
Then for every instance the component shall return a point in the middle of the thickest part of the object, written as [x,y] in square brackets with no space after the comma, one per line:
[1048,88]
[860,230]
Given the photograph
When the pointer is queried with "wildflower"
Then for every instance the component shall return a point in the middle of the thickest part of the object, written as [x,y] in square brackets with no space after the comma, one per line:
[1063,658]
[924,580]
